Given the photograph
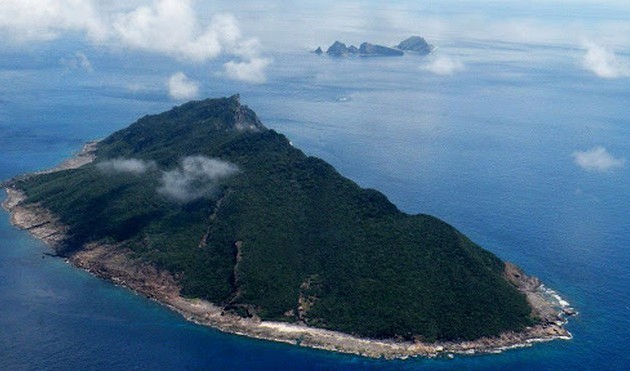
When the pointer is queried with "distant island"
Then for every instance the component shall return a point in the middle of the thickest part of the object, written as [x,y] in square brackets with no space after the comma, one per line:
[207,211]
[414,44]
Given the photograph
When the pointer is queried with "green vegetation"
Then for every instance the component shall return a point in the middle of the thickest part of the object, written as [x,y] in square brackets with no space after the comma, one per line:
[285,229]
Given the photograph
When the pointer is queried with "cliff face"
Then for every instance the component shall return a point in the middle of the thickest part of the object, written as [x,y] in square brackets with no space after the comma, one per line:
[368,49]
[416,44]
[238,216]
[339,49]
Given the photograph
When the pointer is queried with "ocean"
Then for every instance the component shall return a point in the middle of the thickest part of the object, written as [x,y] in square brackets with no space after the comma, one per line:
[491,148]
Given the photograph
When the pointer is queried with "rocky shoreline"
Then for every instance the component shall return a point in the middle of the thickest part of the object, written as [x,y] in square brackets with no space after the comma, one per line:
[119,266]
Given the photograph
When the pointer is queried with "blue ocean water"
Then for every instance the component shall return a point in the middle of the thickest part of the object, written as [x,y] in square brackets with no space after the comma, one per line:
[488,149]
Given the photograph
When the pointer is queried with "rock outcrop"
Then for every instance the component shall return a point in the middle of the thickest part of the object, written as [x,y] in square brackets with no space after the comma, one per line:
[416,44]
[367,49]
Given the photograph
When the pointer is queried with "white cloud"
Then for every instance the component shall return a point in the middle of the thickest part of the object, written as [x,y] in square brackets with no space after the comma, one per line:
[170,27]
[252,71]
[180,87]
[443,65]
[46,19]
[603,62]
[76,61]
[126,165]
[166,27]
[196,177]
[597,159]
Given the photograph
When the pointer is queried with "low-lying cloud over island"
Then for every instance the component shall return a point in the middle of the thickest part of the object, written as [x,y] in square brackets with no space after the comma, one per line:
[126,165]
[195,177]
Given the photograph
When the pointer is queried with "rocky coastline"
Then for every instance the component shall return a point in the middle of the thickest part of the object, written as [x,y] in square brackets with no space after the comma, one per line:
[117,265]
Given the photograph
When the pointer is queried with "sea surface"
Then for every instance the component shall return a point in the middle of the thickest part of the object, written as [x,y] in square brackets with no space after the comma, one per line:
[488,148]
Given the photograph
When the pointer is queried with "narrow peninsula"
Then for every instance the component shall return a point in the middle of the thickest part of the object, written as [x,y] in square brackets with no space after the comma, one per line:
[207,211]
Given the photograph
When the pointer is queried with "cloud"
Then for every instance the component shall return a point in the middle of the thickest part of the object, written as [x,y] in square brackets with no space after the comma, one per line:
[196,177]
[252,71]
[170,27]
[76,61]
[180,87]
[27,20]
[603,62]
[443,65]
[597,159]
[127,166]
[165,27]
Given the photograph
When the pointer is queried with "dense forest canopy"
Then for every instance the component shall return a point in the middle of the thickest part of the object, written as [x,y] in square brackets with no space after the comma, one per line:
[249,222]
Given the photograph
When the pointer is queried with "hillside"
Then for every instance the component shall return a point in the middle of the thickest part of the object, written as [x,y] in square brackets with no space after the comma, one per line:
[243,219]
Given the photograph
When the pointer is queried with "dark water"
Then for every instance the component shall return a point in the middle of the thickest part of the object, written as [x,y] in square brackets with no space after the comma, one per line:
[488,149]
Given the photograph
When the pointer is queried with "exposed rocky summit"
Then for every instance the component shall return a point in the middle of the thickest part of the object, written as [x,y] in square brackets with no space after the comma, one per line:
[339,49]
[416,44]
[367,49]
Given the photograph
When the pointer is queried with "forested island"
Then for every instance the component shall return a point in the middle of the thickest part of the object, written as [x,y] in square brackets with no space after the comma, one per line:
[206,210]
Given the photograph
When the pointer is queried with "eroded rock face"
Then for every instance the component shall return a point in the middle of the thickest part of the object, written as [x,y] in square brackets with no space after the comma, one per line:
[367,49]
[36,220]
[337,49]
[117,265]
[415,44]
[546,305]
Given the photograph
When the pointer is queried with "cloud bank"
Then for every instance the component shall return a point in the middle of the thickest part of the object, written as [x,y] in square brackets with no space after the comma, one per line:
[171,27]
[443,65]
[252,71]
[603,62]
[126,165]
[196,177]
[166,27]
[42,20]
[597,159]
[180,87]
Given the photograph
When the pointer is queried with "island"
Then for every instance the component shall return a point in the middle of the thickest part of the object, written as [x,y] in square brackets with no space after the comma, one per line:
[207,211]
[414,44]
